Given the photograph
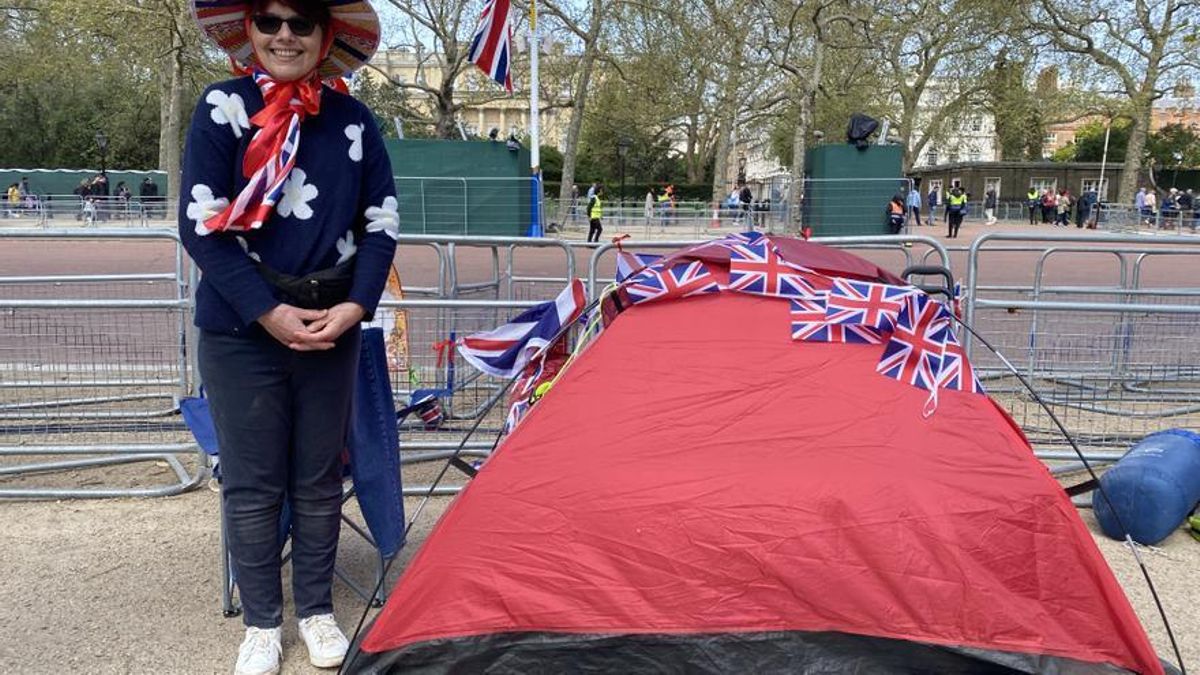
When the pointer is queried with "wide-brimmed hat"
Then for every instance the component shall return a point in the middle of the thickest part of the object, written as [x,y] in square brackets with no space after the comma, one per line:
[354,24]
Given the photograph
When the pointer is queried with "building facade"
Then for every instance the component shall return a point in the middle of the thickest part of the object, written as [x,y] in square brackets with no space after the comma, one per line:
[487,106]
[1012,180]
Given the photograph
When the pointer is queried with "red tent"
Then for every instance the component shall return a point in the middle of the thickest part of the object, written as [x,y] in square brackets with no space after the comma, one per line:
[700,493]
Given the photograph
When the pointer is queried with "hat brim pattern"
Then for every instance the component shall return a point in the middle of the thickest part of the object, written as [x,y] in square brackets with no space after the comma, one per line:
[354,24]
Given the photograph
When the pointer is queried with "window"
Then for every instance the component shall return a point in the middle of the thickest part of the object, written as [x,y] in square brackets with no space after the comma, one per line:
[1093,184]
[931,157]
[935,185]
[952,158]
[972,156]
[992,184]
[976,124]
[1043,184]
[1050,139]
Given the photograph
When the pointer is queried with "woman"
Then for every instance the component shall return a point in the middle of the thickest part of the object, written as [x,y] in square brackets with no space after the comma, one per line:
[289,210]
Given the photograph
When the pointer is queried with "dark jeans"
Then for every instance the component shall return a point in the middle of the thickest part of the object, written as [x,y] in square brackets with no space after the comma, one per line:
[281,418]
[955,221]
[594,230]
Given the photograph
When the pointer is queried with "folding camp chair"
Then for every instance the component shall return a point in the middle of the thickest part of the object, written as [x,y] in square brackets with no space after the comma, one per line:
[376,477]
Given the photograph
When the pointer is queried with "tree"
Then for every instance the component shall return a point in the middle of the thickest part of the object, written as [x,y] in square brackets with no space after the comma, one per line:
[797,36]
[938,54]
[1174,145]
[587,29]
[1017,112]
[1088,145]
[1134,45]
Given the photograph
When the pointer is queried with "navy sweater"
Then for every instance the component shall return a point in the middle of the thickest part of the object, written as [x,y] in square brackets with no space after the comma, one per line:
[341,171]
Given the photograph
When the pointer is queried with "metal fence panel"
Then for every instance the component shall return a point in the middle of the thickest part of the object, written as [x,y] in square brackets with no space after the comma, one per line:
[1115,359]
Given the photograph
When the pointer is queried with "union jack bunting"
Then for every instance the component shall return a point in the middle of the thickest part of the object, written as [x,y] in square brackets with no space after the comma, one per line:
[757,268]
[863,303]
[914,352]
[628,263]
[681,280]
[745,237]
[491,46]
[254,204]
[809,324]
[506,350]
[957,372]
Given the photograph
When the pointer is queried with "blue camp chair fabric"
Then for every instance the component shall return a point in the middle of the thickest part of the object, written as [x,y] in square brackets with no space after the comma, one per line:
[375,447]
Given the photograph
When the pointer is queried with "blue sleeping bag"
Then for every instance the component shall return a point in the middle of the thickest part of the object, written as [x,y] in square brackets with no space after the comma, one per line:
[1153,487]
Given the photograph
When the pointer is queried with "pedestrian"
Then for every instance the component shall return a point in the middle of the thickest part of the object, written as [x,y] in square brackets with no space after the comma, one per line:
[1049,201]
[745,197]
[295,249]
[648,209]
[83,190]
[1033,201]
[956,209]
[595,211]
[914,205]
[592,191]
[989,207]
[895,214]
[1150,206]
[933,203]
[1062,208]
[13,198]
[1187,208]
[666,204]
[148,193]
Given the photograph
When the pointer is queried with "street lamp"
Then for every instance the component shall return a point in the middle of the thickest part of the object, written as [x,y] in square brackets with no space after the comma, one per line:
[102,145]
[623,146]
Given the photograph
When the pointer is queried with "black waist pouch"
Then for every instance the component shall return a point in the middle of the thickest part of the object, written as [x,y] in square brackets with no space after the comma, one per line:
[319,290]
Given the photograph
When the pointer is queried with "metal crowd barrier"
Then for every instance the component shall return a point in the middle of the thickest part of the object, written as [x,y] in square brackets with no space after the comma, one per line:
[92,367]
[1115,359]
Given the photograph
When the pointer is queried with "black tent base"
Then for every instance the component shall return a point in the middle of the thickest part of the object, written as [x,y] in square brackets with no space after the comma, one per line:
[758,653]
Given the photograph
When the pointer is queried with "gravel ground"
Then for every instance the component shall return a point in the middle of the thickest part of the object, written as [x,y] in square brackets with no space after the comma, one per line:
[133,586]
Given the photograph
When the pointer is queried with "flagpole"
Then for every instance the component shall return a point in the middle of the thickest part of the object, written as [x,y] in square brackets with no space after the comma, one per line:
[535,143]
[535,160]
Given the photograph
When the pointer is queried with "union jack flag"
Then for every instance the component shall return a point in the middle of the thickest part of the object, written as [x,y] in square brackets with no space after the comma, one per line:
[751,237]
[757,268]
[957,372]
[492,45]
[253,205]
[506,350]
[628,263]
[919,335]
[809,324]
[863,303]
[681,280]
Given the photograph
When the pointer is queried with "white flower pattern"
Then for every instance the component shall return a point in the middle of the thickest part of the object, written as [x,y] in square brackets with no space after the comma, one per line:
[384,218]
[355,133]
[204,206]
[297,195]
[228,109]
[346,248]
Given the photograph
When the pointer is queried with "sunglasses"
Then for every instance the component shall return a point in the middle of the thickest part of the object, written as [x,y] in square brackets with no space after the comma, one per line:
[269,24]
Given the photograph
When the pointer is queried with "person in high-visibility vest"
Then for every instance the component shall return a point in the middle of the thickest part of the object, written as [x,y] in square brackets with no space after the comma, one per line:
[595,211]
[956,208]
[1034,200]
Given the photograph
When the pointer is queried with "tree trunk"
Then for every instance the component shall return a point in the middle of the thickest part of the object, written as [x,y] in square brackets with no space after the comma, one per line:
[1134,149]
[571,143]
[808,101]
[720,166]
[171,116]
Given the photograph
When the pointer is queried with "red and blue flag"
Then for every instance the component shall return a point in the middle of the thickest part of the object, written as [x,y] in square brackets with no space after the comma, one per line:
[863,303]
[758,268]
[957,372]
[681,280]
[809,324]
[919,336]
[505,351]
[491,47]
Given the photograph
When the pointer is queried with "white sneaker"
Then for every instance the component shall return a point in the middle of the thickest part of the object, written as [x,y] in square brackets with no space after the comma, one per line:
[326,643]
[260,652]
